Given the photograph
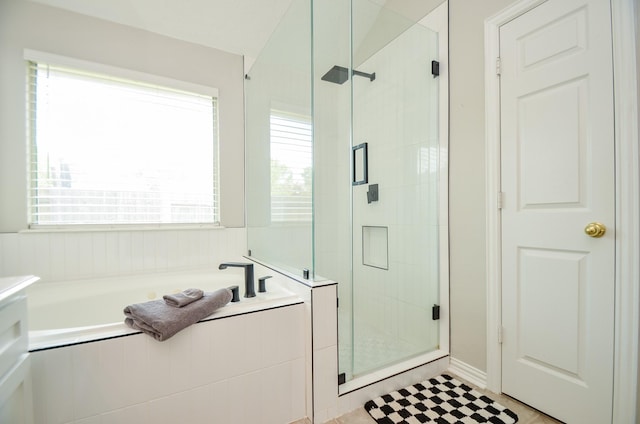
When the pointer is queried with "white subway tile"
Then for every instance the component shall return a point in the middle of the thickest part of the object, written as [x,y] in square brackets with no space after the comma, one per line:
[54,387]
[38,372]
[220,409]
[88,380]
[325,375]
[168,410]
[242,389]
[199,402]
[169,364]
[115,379]
[243,334]
[324,317]
[275,399]
[89,420]
[133,414]
[204,353]
[136,368]
[298,389]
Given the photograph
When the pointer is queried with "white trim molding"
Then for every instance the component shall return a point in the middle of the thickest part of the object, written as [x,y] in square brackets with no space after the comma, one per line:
[467,372]
[627,284]
[492,159]
[627,322]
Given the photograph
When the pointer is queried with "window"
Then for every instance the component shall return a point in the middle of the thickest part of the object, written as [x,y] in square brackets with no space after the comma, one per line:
[106,150]
[291,164]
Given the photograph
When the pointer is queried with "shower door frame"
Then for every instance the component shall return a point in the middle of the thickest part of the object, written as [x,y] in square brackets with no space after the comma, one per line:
[437,21]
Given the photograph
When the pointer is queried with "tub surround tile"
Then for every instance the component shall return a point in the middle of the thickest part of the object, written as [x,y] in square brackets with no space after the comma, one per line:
[325,382]
[135,370]
[137,379]
[203,355]
[298,388]
[218,409]
[169,364]
[325,317]
[244,397]
[278,346]
[132,414]
[90,420]
[275,396]
[56,370]
[87,369]
[111,366]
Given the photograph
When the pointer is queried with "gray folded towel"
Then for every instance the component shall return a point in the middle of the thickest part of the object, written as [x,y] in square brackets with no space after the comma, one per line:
[178,300]
[162,321]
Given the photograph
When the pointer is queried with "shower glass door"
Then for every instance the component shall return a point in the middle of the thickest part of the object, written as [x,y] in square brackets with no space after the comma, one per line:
[394,193]
[279,146]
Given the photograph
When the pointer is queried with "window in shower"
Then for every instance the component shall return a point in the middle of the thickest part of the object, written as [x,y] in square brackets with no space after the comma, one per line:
[108,150]
[291,164]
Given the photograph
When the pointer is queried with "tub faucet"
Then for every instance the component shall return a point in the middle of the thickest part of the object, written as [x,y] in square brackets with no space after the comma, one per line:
[249,290]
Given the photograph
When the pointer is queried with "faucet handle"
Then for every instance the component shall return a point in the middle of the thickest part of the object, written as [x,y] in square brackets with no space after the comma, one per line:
[262,286]
[235,293]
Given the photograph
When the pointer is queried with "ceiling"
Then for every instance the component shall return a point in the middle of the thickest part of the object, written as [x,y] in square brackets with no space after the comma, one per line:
[236,26]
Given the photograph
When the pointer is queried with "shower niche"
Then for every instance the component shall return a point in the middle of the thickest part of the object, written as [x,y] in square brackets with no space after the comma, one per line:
[346,174]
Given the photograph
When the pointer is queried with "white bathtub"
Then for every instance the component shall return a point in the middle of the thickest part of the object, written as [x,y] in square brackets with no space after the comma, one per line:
[87,366]
[85,310]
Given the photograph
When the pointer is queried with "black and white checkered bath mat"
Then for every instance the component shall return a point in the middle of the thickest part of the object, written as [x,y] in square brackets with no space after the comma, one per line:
[441,400]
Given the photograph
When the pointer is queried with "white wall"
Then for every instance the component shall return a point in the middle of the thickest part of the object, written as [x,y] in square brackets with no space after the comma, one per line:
[467,178]
[25,25]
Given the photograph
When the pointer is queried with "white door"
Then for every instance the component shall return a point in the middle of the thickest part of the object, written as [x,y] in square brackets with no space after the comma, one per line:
[557,176]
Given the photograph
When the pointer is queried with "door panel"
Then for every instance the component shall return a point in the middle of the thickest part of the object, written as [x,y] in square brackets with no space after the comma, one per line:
[557,167]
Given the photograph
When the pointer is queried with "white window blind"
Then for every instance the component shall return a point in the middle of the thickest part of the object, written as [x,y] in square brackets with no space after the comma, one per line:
[106,150]
[291,165]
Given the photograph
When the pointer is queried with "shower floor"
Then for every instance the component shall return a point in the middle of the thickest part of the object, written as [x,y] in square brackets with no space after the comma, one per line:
[372,349]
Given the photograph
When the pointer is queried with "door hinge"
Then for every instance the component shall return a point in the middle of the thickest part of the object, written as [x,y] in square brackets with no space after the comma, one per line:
[498,66]
[435,68]
[500,331]
[435,312]
[500,199]
[342,378]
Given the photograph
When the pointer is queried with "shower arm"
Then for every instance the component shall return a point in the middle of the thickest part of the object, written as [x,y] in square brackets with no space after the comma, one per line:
[371,76]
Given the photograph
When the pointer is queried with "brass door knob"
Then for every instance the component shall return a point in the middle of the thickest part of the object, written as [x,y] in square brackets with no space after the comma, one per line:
[595,229]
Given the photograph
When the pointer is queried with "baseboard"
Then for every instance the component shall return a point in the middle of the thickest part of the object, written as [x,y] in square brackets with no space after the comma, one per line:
[467,372]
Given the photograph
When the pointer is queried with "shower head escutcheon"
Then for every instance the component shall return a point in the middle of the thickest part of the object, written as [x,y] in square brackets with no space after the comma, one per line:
[340,74]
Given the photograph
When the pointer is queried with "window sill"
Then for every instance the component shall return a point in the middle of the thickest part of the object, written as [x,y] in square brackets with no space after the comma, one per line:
[119,227]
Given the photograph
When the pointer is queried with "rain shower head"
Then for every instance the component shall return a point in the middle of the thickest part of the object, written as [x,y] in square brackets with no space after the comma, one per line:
[337,74]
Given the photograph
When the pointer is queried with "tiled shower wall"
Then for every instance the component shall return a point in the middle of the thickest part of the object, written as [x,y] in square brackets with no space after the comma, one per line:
[63,256]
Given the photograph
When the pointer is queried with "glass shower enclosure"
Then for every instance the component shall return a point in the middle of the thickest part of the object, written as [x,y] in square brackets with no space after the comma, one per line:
[342,167]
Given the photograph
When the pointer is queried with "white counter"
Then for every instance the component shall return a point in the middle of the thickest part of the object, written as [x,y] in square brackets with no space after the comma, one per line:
[12,285]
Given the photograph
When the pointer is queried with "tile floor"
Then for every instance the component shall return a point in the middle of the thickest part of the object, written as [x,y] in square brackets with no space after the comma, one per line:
[526,415]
